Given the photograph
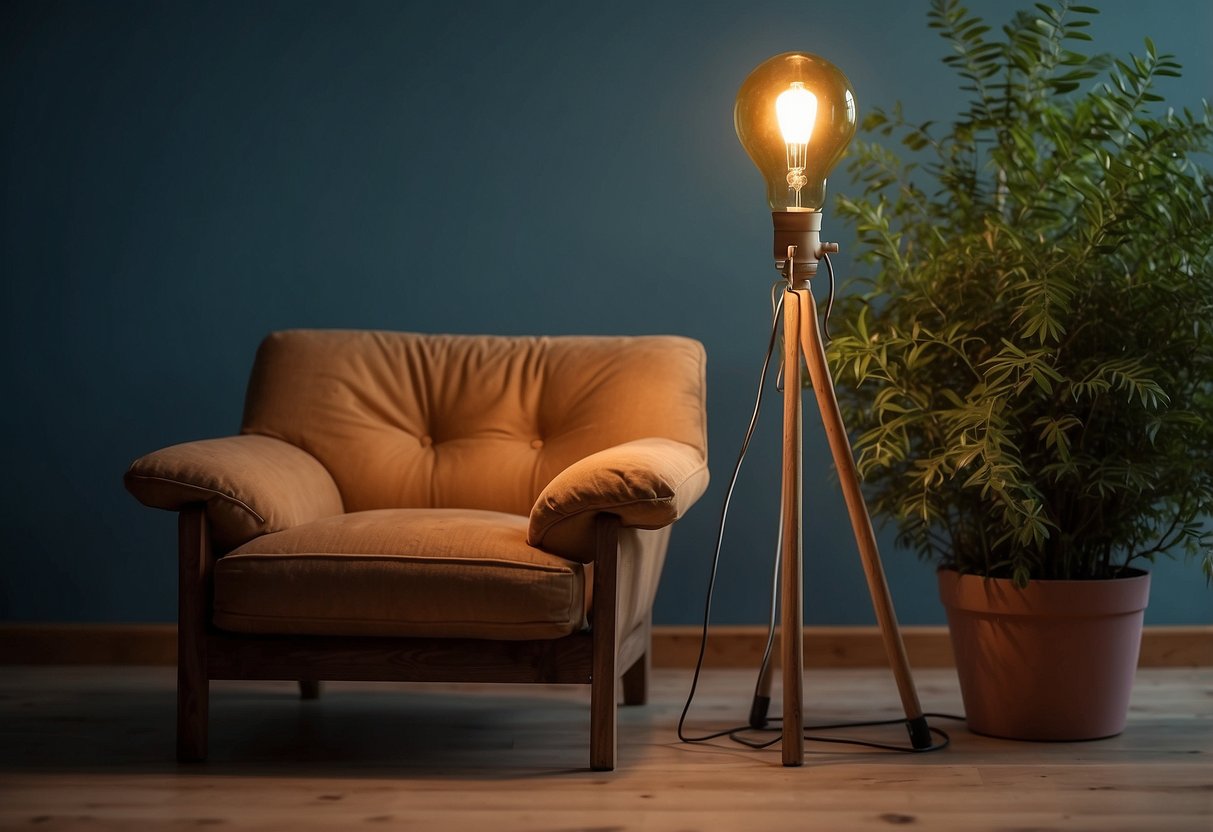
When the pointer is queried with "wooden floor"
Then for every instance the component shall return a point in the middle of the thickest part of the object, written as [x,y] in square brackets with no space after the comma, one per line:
[91,748]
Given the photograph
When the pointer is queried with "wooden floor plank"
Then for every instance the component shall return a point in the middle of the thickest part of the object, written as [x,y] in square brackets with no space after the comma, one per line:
[92,748]
[1005,798]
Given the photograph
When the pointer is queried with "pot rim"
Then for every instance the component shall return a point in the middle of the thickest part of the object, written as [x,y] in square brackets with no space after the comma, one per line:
[1042,597]
[1131,572]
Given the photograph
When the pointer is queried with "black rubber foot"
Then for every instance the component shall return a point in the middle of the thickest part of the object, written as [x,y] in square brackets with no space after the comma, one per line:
[920,733]
[758,712]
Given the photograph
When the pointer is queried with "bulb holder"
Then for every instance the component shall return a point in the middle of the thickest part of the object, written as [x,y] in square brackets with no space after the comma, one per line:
[801,229]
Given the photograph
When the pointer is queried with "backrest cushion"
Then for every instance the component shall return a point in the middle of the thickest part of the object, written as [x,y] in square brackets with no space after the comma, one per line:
[404,420]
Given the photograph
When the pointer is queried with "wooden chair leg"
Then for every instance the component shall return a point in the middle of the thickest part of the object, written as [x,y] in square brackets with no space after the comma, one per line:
[193,695]
[309,689]
[604,675]
[636,681]
[193,686]
[636,677]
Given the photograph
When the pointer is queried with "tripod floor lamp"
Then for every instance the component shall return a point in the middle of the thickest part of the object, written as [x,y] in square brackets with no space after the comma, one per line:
[795,115]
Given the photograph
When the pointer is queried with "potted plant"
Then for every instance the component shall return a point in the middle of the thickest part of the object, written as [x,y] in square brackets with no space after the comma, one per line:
[1029,368]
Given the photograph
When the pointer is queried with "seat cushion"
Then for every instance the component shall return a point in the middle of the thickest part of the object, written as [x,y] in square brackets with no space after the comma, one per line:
[457,573]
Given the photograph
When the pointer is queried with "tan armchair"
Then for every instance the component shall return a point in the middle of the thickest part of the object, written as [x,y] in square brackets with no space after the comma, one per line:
[406,507]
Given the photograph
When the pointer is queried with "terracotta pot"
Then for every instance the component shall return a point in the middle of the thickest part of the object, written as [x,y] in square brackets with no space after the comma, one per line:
[1052,661]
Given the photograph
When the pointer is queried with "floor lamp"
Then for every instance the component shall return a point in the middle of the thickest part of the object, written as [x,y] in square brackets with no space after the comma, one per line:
[795,115]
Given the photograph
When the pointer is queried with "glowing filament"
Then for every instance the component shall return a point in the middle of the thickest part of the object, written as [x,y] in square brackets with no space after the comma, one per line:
[796,110]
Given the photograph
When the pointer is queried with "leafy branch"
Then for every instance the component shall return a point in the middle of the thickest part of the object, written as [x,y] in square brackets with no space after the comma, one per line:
[1029,363]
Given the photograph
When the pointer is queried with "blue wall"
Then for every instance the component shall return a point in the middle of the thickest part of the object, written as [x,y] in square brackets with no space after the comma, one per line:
[180,178]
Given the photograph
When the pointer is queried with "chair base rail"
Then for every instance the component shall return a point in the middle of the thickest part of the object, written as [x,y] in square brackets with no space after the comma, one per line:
[562,661]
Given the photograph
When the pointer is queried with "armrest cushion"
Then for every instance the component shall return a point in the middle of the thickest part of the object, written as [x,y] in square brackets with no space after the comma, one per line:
[252,485]
[649,483]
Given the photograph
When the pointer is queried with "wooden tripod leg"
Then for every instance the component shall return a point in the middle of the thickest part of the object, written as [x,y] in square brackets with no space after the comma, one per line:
[861,523]
[762,698]
[791,637]
[761,706]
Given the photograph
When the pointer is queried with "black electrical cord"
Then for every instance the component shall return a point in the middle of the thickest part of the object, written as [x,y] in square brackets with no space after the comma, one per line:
[736,733]
[724,515]
[825,323]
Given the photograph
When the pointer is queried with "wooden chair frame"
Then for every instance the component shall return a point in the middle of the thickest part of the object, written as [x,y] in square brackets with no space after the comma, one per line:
[591,658]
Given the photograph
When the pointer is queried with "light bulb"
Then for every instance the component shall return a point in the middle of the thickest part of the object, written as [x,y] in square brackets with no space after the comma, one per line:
[795,111]
[795,115]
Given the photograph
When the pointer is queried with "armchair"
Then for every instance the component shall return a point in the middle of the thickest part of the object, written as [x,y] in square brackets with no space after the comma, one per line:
[405,507]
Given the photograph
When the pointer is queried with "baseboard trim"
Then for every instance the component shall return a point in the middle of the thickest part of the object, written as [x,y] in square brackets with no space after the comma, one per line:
[1178,646]
[733,646]
[90,643]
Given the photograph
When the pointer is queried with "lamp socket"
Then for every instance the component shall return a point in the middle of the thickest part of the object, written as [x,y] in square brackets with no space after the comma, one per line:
[801,229]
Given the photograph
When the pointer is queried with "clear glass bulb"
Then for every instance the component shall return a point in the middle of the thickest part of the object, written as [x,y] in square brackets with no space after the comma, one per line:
[795,115]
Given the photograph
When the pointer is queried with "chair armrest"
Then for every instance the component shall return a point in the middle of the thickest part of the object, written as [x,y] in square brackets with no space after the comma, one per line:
[251,485]
[648,483]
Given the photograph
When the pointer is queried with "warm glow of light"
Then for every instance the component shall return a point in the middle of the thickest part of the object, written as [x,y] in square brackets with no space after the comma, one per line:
[796,109]
[794,115]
